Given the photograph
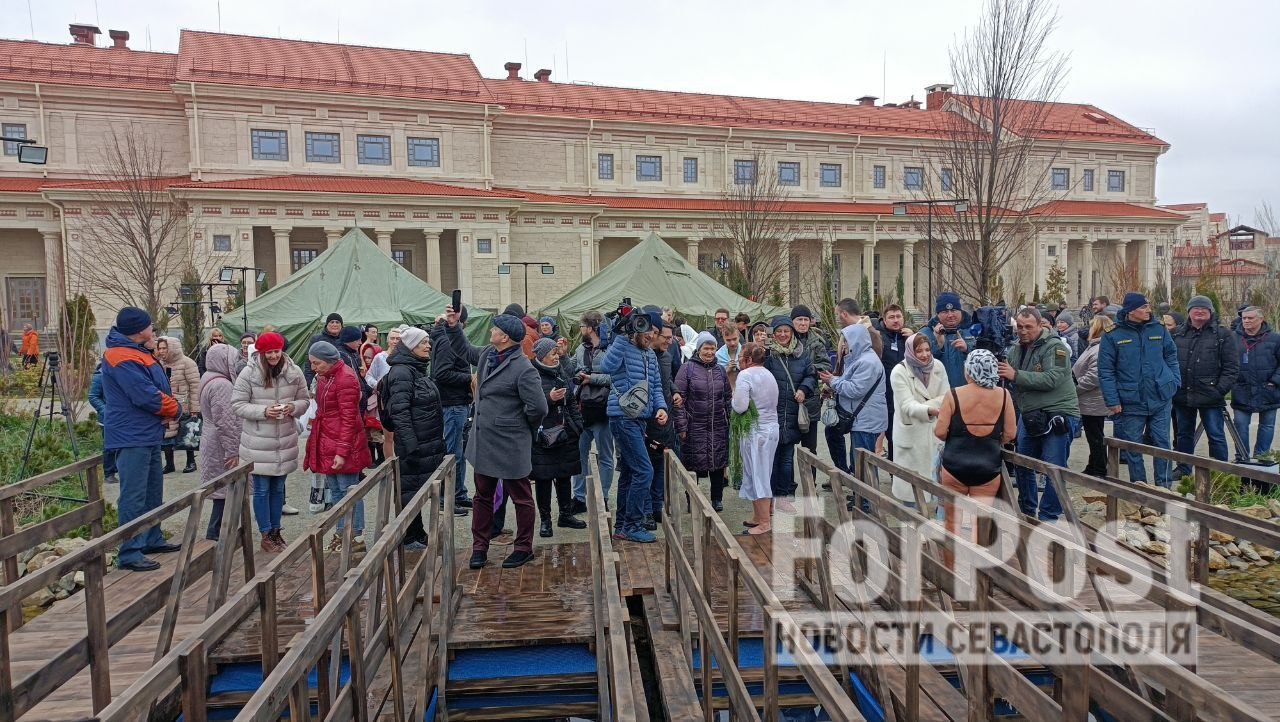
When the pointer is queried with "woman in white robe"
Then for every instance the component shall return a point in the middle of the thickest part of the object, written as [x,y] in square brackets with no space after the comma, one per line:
[919,385]
[756,384]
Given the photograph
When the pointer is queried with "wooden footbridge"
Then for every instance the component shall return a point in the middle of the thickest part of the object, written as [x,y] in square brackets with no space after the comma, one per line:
[857,607]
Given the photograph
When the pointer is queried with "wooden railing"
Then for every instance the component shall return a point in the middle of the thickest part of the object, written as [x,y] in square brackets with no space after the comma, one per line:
[1034,587]
[92,649]
[689,517]
[616,689]
[384,634]
[185,666]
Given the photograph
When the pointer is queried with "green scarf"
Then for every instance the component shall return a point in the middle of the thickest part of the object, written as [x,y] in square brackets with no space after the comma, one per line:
[778,349]
[739,426]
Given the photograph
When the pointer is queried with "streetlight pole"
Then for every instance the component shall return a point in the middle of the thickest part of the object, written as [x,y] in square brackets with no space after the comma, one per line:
[504,269]
[959,205]
[228,273]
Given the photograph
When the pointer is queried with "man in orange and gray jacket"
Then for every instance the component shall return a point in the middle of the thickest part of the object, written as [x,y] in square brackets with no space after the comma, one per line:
[138,401]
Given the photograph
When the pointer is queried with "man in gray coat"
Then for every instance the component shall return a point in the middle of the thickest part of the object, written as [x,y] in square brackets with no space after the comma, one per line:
[509,409]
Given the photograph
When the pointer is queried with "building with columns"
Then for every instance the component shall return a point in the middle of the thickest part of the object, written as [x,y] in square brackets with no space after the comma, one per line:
[275,148]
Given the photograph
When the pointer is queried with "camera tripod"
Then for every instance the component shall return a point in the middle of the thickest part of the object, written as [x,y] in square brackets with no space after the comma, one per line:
[50,385]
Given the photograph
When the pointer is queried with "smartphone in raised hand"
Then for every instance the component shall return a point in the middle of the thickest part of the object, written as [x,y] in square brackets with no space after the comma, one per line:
[457,299]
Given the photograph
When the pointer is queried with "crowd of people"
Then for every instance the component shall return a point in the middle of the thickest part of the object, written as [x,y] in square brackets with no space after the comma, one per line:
[529,414]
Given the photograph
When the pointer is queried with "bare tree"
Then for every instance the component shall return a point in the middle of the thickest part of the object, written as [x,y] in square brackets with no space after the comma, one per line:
[759,227]
[135,238]
[1265,219]
[992,149]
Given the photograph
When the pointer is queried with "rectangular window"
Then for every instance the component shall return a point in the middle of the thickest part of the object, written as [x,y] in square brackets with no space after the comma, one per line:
[13,130]
[221,243]
[788,174]
[424,152]
[402,256]
[484,245]
[1061,178]
[1052,252]
[744,172]
[1115,181]
[1159,251]
[948,180]
[1087,180]
[269,144]
[690,170]
[324,147]
[831,175]
[604,166]
[877,176]
[373,149]
[303,256]
[648,167]
[913,178]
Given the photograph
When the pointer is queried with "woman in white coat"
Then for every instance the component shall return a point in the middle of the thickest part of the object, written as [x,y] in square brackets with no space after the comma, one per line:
[919,385]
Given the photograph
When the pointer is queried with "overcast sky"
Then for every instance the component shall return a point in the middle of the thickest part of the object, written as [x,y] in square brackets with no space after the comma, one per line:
[1194,73]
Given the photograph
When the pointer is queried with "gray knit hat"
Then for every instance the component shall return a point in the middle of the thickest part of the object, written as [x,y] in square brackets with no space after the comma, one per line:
[1201,302]
[323,351]
[543,346]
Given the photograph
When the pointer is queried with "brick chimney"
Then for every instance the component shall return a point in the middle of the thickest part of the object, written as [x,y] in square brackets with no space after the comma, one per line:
[867,100]
[119,39]
[937,95]
[513,71]
[84,34]
[543,76]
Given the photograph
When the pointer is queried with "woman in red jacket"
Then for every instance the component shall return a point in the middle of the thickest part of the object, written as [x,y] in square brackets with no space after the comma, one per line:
[337,447]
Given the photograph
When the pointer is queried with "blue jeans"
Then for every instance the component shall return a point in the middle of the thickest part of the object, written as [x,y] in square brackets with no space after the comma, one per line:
[635,475]
[841,455]
[338,485]
[603,437]
[1150,428]
[1053,448]
[658,489]
[141,471]
[1266,429]
[268,500]
[109,462]
[1215,427]
[455,422]
[783,479]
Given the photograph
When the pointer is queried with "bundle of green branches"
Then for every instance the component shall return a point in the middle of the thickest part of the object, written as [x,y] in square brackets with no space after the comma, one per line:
[740,424]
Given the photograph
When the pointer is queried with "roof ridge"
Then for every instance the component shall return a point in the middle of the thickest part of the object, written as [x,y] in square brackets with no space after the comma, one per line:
[46,43]
[182,31]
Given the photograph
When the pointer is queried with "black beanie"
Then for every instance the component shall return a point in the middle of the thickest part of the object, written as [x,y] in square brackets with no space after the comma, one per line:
[333,317]
[801,310]
[514,309]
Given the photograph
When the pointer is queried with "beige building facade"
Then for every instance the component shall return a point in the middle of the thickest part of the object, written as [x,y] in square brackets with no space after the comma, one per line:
[275,148]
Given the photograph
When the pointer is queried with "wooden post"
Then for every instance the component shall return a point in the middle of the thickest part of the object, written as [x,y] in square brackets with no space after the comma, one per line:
[246,530]
[8,526]
[1203,479]
[233,509]
[979,686]
[359,682]
[326,690]
[270,639]
[93,492]
[393,640]
[1113,462]
[193,667]
[165,638]
[95,606]
[770,663]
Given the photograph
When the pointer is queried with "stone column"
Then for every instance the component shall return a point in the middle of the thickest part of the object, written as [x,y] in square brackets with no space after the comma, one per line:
[463,241]
[691,250]
[1086,270]
[595,255]
[284,260]
[384,239]
[784,283]
[586,260]
[332,236]
[504,280]
[55,294]
[868,266]
[909,274]
[432,240]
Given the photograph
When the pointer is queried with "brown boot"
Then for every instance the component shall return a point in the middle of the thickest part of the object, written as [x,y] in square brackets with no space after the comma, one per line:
[281,544]
[268,545]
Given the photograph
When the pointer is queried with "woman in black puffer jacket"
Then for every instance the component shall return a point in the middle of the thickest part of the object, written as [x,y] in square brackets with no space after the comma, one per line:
[555,447]
[410,404]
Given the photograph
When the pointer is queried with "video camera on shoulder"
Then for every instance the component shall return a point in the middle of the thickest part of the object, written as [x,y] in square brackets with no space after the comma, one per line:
[991,330]
[628,320]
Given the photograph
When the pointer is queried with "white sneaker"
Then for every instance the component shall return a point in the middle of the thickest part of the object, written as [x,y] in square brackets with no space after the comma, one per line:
[290,511]
[314,508]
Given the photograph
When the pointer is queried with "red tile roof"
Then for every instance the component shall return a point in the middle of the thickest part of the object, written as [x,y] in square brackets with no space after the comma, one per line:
[1103,209]
[153,184]
[347,184]
[1066,121]
[22,185]
[1218,217]
[81,65]
[306,65]
[1185,206]
[661,106]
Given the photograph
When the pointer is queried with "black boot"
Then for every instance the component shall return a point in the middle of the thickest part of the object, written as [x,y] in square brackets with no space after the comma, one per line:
[191,463]
[168,461]
[544,530]
[569,521]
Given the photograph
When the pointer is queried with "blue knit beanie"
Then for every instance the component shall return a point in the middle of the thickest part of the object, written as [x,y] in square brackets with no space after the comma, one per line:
[779,321]
[131,320]
[349,334]
[510,325]
[1132,302]
[947,301]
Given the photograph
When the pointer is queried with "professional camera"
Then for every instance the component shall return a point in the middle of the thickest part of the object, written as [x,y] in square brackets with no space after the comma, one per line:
[52,359]
[991,330]
[628,320]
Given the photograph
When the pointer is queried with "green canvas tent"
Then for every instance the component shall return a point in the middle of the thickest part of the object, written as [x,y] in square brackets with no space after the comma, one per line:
[359,281]
[653,273]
